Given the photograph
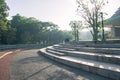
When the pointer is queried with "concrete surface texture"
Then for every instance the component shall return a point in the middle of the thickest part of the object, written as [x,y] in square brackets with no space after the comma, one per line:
[31,65]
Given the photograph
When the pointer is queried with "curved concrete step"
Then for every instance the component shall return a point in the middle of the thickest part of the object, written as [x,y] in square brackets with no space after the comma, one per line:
[115,51]
[70,49]
[98,45]
[56,53]
[104,45]
[104,69]
[114,59]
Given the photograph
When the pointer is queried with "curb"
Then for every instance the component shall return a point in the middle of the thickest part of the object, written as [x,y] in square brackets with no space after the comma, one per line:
[5,54]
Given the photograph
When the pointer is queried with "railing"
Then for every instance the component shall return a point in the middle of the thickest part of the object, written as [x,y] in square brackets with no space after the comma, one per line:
[4,47]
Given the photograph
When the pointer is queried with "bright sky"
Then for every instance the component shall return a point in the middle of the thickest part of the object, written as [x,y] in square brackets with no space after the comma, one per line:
[60,12]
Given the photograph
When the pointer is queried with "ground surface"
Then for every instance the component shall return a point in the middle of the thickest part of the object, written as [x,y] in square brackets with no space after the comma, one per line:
[31,65]
[5,59]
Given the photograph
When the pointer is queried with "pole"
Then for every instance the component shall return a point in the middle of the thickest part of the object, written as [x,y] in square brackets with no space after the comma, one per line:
[103,36]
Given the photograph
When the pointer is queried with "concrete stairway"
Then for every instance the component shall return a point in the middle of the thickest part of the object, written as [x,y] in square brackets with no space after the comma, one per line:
[102,61]
[113,49]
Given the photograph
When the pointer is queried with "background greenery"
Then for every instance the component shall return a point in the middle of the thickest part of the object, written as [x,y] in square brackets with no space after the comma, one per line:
[23,30]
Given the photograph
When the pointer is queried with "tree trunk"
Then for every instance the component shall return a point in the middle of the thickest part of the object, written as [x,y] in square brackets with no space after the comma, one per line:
[95,27]
[95,36]
[77,35]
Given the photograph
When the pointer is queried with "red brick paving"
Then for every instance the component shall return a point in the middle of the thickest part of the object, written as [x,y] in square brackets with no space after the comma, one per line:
[5,65]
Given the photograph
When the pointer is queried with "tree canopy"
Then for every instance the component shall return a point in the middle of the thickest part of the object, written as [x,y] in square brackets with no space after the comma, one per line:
[4,23]
[90,11]
[23,30]
[31,30]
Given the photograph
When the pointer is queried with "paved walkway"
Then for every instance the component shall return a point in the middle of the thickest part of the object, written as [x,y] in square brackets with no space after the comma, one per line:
[30,65]
[5,59]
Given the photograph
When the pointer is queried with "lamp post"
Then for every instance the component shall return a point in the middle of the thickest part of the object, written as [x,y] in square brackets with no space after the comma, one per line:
[103,36]
[75,32]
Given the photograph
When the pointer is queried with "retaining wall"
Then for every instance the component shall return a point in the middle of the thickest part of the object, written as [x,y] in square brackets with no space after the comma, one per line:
[4,47]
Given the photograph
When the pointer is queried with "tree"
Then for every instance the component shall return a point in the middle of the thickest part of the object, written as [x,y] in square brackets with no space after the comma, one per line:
[3,21]
[27,29]
[10,34]
[76,26]
[90,11]
[31,30]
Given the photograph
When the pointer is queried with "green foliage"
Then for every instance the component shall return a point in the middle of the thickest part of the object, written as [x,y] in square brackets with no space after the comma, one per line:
[22,30]
[4,23]
[30,30]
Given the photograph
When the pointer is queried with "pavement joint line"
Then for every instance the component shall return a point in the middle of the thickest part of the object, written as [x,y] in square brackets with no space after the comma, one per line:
[7,53]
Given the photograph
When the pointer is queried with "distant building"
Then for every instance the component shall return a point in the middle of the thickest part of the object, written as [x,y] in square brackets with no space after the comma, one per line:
[114,24]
